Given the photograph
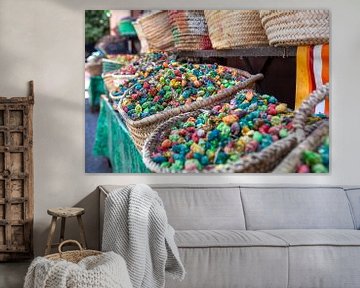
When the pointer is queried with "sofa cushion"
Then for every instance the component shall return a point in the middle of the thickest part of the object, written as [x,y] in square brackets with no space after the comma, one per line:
[328,258]
[203,208]
[296,208]
[317,237]
[215,267]
[225,238]
[324,266]
[191,207]
[354,198]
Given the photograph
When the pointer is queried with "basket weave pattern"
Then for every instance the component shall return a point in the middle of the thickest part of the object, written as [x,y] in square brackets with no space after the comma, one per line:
[296,27]
[235,28]
[189,29]
[142,38]
[157,30]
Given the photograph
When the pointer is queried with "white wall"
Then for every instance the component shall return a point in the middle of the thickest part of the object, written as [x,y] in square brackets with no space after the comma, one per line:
[43,40]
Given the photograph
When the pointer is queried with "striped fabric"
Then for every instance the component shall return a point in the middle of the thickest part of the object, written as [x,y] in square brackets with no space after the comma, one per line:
[312,71]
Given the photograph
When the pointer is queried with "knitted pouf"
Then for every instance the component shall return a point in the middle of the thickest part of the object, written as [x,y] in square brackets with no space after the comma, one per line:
[106,270]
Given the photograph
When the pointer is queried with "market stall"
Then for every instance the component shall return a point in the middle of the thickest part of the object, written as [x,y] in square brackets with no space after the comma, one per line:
[201,101]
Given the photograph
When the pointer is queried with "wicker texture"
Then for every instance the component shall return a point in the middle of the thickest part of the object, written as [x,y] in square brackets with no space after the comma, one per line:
[307,108]
[141,129]
[235,28]
[157,30]
[296,27]
[291,161]
[140,34]
[72,256]
[189,30]
[109,81]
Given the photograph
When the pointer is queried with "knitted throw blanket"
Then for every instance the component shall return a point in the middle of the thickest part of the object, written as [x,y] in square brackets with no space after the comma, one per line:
[136,227]
[103,271]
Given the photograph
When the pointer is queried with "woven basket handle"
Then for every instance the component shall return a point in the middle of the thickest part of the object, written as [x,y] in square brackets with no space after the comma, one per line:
[306,109]
[67,242]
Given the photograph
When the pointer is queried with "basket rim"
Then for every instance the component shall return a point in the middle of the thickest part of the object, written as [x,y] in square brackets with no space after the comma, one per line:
[150,15]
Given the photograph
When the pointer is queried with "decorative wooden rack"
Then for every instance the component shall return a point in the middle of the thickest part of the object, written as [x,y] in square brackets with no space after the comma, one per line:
[16,176]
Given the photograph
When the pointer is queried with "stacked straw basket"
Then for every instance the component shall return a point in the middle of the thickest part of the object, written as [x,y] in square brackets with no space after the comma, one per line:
[141,129]
[189,30]
[74,256]
[235,28]
[157,30]
[143,42]
[296,27]
[290,163]
[260,162]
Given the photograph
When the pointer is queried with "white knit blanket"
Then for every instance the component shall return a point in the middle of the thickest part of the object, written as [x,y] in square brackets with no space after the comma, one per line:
[136,227]
[103,271]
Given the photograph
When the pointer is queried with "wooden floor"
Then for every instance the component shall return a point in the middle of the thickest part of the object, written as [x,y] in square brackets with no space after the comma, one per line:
[12,274]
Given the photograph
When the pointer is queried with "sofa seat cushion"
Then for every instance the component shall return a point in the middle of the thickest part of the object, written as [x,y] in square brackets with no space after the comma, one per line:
[226,238]
[315,237]
[322,258]
[231,258]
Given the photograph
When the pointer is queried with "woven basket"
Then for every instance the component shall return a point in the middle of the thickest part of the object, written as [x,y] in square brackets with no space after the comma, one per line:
[189,30]
[235,28]
[94,69]
[296,27]
[109,81]
[261,162]
[143,42]
[141,129]
[290,163]
[157,30]
[72,256]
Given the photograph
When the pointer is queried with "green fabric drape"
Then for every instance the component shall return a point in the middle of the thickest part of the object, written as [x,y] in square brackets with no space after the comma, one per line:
[96,88]
[113,141]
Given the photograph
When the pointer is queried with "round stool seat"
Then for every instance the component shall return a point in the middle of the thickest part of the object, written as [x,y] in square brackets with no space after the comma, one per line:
[66,211]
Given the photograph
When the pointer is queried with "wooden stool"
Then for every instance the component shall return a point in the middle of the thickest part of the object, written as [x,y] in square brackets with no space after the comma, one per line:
[64,213]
